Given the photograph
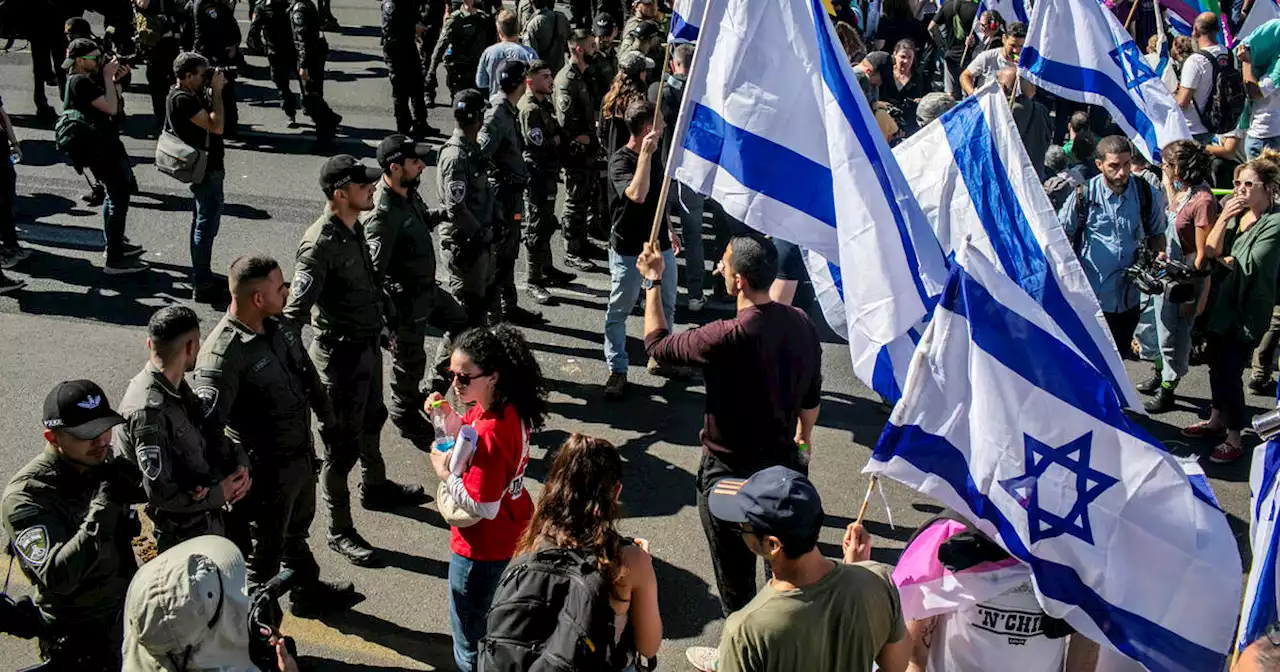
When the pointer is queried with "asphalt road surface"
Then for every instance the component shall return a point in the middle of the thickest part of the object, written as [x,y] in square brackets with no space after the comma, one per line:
[74,322]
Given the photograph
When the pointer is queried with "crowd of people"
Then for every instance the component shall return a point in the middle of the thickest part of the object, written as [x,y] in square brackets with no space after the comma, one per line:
[214,435]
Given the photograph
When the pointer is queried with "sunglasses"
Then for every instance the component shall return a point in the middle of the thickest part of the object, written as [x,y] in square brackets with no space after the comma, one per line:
[91,57]
[1248,184]
[464,379]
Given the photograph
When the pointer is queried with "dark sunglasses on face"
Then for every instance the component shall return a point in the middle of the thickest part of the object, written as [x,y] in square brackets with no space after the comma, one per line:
[464,379]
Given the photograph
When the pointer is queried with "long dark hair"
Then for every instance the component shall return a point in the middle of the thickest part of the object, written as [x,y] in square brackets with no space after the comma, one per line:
[1189,161]
[579,505]
[504,350]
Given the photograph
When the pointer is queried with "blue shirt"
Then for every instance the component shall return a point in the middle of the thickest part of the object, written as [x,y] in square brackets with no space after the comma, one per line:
[1113,232]
[495,55]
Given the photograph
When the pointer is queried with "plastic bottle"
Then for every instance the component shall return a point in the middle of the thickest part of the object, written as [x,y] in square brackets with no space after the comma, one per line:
[15,157]
[444,439]
[804,453]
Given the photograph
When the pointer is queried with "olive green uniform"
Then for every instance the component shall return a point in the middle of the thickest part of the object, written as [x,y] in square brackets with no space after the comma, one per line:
[603,67]
[257,391]
[547,33]
[576,112]
[501,143]
[467,237]
[71,532]
[541,135]
[404,257]
[463,39]
[162,435]
[336,290]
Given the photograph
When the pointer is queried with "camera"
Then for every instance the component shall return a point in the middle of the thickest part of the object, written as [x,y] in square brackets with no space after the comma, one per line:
[265,614]
[1156,276]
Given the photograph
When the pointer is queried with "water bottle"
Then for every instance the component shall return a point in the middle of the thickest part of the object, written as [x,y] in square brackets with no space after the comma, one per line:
[444,439]
[15,157]
[804,453]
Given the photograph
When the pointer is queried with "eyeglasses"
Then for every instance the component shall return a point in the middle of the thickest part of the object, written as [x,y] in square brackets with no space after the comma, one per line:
[1248,184]
[464,379]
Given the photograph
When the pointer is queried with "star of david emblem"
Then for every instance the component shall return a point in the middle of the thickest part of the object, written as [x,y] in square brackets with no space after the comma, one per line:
[1134,69]
[1089,483]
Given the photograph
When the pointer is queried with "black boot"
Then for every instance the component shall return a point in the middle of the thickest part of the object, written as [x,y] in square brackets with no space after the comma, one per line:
[511,311]
[391,495]
[1150,384]
[318,597]
[1162,402]
[350,545]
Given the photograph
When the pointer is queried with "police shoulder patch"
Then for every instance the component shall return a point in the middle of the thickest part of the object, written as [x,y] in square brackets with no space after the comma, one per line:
[375,246]
[212,12]
[33,545]
[301,283]
[299,19]
[535,136]
[149,461]
[457,191]
[563,100]
[208,395]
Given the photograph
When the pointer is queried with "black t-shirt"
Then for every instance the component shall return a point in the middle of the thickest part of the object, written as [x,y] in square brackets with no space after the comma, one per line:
[82,90]
[957,17]
[181,106]
[633,221]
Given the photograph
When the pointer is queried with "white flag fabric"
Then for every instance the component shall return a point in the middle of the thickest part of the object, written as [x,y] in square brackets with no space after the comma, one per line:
[1004,421]
[1262,591]
[972,178]
[1261,12]
[1010,10]
[1097,62]
[686,15]
[774,126]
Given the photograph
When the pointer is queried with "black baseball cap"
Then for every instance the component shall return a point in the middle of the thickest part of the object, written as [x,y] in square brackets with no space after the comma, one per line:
[79,408]
[777,500]
[79,48]
[645,30]
[511,75]
[604,24]
[397,148]
[468,106]
[344,169]
[635,63]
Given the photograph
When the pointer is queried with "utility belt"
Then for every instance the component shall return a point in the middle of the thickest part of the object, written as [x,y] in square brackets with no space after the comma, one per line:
[332,340]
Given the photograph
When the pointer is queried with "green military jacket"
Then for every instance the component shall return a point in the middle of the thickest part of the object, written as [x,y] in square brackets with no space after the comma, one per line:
[334,285]
[541,133]
[258,389]
[502,143]
[404,257]
[463,38]
[71,542]
[547,33]
[575,108]
[462,179]
[603,68]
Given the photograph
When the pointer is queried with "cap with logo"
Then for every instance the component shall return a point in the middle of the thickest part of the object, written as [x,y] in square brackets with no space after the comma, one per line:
[398,148]
[635,63]
[776,500]
[79,408]
[511,74]
[468,106]
[646,29]
[79,48]
[604,24]
[344,169]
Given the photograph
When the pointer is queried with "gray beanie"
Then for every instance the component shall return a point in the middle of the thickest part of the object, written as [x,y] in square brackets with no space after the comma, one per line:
[932,106]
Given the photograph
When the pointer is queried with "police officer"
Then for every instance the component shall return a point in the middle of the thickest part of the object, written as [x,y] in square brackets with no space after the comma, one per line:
[275,26]
[158,44]
[329,22]
[401,24]
[68,519]
[399,233]
[503,146]
[542,138]
[217,38]
[604,62]
[257,387]
[547,33]
[468,235]
[576,110]
[641,11]
[187,481]
[467,32]
[431,16]
[313,50]
[335,289]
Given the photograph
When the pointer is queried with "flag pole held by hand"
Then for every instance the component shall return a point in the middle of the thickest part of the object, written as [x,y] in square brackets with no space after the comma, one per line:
[666,179]
[867,499]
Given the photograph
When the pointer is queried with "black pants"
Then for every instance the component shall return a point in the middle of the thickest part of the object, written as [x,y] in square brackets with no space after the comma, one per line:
[230,109]
[352,374]
[160,77]
[92,646]
[436,308]
[408,101]
[272,523]
[427,43]
[284,68]
[471,281]
[1229,357]
[539,222]
[48,48]
[1122,326]
[459,77]
[580,183]
[509,201]
[313,102]
[1264,360]
[8,194]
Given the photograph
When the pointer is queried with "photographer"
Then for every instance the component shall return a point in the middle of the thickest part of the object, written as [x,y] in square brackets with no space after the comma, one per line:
[188,610]
[216,36]
[68,517]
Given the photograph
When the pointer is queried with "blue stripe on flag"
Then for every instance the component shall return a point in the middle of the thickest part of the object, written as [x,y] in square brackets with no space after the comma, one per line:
[683,30]
[763,165]
[1006,225]
[1092,81]
[1134,635]
[883,380]
[837,279]
[1270,467]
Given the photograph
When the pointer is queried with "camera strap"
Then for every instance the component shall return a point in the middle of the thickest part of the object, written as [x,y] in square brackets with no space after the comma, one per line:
[7,575]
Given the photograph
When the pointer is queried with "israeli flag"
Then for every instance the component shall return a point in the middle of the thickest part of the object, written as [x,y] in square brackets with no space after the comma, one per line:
[1097,62]
[685,17]
[1005,421]
[773,125]
[1010,10]
[1262,591]
[973,179]
[1261,12]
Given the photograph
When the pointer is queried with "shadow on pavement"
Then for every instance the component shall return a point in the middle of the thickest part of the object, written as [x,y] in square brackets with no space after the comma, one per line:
[686,601]
[317,664]
[127,300]
[413,563]
[432,648]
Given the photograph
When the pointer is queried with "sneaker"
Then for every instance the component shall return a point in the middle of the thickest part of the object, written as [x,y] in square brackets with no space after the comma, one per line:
[321,597]
[615,386]
[540,295]
[554,277]
[46,113]
[1150,384]
[1162,402]
[1226,453]
[703,658]
[391,495]
[353,547]
[579,263]
[124,266]
[696,305]
[12,256]
[521,317]
[8,284]
[128,250]
[1259,381]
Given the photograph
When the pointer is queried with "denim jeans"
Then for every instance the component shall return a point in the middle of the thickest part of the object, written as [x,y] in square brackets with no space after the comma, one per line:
[205,221]
[1253,146]
[624,288]
[1164,335]
[689,207]
[471,587]
[115,174]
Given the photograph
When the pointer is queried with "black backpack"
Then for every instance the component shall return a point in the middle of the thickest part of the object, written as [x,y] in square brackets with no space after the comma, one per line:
[1083,205]
[551,613]
[1226,95]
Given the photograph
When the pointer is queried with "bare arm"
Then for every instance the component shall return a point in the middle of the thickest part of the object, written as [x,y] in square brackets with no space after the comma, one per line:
[1184,97]
[920,632]
[895,656]
[966,82]
[1082,654]
[639,187]
[645,619]
[808,418]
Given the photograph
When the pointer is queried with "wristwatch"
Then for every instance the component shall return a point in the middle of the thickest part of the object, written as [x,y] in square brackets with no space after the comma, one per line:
[648,284]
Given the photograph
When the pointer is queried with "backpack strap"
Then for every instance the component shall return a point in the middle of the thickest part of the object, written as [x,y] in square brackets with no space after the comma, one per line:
[1144,199]
[1082,217]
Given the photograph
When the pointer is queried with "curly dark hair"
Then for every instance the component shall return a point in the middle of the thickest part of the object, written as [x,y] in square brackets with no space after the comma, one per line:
[579,506]
[624,91]
[503,349]
[1189,161]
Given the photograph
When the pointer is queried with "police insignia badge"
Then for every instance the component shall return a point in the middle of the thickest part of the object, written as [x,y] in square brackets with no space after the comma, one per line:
[375,246]
[208,395]
[457,191]
[149,461]
[301,283]
[33,545]
[535,136]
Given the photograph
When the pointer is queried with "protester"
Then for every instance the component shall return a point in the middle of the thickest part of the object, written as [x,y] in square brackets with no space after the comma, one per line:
[1196,82]
[629,85]
[905,86]
[1264,116]
[496,374]
[763,372]
[1029,117]
[1245,246]
[931,107]
[1061,181]
[987,64]
[951,29]
[508,48]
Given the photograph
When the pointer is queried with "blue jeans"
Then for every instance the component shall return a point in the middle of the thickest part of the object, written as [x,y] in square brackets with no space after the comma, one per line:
[689,207]
[471,587]
[116,176]
[1164,335]
[624,288]
[204,226]
[1253,146]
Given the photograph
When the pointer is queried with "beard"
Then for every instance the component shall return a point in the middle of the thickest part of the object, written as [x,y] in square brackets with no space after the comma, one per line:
[411,184]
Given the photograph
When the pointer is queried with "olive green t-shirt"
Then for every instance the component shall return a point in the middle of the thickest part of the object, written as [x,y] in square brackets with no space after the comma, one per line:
[838,624]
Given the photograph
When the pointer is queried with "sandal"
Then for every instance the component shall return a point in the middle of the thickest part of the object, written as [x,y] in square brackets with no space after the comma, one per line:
[1203,430]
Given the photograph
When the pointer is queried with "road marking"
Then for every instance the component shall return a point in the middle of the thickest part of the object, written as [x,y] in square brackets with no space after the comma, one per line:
[316,633]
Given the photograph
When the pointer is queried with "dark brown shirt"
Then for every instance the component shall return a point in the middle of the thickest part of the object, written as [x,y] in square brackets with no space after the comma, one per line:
[761,368]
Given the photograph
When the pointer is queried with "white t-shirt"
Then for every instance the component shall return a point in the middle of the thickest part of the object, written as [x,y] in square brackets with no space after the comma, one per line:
[1197,74]
[1265,122]
[1003,634]
[986,65]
